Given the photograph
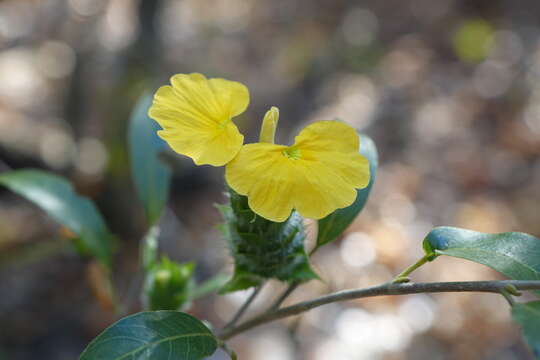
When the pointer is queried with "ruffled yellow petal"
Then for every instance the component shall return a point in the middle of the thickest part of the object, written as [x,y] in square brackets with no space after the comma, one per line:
[317,175]
[321,190]
[195,114]
[208,146]
[232,94]
[335,145]
[261,172]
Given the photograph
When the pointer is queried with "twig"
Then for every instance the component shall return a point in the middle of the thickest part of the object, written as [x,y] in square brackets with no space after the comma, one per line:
[244,307]
[283,296]
[228,350]
[380,290]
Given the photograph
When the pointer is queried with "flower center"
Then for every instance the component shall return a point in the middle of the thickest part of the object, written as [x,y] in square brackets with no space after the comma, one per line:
[223,124]
[292,153]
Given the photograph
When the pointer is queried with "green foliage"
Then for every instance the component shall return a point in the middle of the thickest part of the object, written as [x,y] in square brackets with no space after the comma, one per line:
[513,254]
[168,285]
[57,198]
[156,335]
[527,315]
[334,224]
[261,248]
[152,177]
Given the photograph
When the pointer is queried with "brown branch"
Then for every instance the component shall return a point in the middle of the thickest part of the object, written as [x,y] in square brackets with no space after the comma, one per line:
[380,290]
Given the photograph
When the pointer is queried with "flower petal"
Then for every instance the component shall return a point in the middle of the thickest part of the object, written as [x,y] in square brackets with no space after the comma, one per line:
[232,94]
[212,146]
[336,145]
[261,172]
[330,135]
[195,114]
[317,175]
[319,190]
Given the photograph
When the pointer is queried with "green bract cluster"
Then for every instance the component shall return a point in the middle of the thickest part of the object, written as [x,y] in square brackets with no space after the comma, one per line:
[263,249]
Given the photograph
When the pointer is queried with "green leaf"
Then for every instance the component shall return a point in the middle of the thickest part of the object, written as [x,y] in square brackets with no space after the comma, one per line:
[151,176]
[153,335]
[514,254]
[56,197]
[168,285]
[527,315]
[334,224]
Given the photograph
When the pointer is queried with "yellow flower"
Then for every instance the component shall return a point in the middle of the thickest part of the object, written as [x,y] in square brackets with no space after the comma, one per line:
[196,116]
[315,176]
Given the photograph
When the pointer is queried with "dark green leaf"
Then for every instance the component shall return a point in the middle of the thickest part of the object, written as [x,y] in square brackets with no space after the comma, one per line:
[152,177]
[334,224]
[56,196]
[514,254]
[153,335]
[527,315]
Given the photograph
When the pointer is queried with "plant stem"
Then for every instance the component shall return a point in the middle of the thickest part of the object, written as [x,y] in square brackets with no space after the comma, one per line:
[228,350]
[403,276]
[379,290]
[284,295]
[508,297]
[244,307]
[290,288]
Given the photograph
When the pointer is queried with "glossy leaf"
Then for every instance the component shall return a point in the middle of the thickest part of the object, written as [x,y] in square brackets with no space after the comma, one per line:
[153,335]
[527,315]
[516,255]
[151,176]
[334,224]
[56,197]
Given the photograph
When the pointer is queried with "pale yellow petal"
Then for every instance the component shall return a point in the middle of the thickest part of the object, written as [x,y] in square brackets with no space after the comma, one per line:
[328,136]
[212,146]
[352,168]
[336,145]
[319,191]
[222,148]
[232,95]
[261,172]
[195,114]
[195,95]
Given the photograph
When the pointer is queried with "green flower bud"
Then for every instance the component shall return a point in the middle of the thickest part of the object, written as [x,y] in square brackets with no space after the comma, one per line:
[168,285]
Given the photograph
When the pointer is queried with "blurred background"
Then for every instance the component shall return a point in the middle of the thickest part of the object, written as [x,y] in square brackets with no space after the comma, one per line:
[448,90]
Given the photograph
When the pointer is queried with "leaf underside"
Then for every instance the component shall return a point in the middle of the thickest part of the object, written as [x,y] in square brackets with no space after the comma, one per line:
[514,254]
